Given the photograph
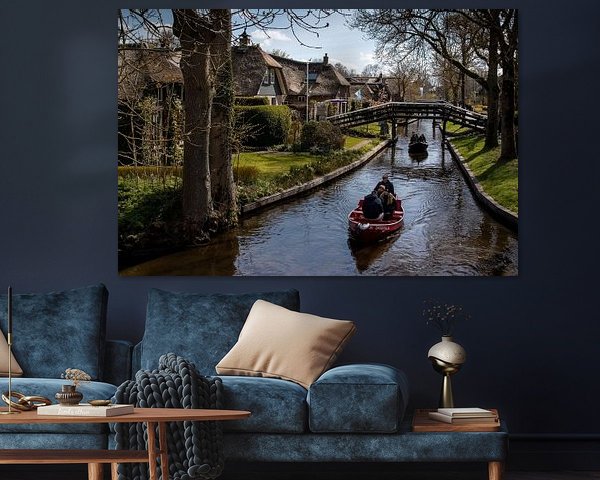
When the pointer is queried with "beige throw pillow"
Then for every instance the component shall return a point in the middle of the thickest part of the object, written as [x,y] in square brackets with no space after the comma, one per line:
[16,369]
[279,343]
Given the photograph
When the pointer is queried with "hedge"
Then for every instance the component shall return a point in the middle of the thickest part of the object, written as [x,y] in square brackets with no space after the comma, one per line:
[268,125]
[251,101]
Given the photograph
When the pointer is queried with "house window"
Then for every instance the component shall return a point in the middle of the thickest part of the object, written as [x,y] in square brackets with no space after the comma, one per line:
[301,98]
[269,77]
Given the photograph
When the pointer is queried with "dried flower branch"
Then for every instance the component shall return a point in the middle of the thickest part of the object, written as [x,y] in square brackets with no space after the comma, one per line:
[75,375]
[443,316]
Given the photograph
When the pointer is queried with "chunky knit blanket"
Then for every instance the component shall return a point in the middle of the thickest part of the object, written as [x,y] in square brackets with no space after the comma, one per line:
[195,448]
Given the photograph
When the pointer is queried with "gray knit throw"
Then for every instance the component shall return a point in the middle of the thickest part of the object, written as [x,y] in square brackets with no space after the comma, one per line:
[195,448]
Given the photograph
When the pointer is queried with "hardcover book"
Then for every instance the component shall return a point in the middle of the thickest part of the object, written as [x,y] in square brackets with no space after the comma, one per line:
[462,420]
[466,412]
[85,410]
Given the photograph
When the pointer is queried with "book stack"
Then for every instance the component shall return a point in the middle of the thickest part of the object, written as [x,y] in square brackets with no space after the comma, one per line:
[464,416]
[86,410]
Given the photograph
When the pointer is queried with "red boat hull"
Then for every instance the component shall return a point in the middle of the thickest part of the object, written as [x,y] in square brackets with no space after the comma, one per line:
[366,230]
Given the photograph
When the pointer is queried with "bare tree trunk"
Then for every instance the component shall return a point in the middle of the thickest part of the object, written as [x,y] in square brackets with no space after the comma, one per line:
[198,81]
[221,168]
[508,149]
[493,91]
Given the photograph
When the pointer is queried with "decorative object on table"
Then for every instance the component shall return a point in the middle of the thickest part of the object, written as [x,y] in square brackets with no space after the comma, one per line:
[69,395]
[446,356]
[24,403]
[9,342]
[86,410]
[464,416]
[99,403]
[195,448]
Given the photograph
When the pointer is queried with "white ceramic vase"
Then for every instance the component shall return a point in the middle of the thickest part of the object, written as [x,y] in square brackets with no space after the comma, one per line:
[448,351]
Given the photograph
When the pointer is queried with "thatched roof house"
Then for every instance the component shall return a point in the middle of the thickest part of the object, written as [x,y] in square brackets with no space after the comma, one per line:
[141,70]
[256,73]
[370,89]
[324,81]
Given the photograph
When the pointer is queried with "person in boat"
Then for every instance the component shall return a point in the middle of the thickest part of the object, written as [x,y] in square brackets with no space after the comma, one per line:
[388,201]
[414,137]
[385,181]
[422,138]
[372,207]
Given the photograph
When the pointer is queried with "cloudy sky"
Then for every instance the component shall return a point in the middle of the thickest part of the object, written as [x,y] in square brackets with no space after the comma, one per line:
[341,43]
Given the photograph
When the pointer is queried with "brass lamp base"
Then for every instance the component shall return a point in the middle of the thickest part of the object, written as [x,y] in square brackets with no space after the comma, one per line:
[446,397]
[446,369]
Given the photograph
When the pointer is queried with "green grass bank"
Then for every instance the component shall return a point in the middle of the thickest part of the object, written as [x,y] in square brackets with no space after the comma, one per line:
[500,180]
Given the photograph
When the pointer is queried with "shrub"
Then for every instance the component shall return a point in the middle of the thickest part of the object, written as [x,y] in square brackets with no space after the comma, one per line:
[270,124]
[321,137]
[144,203]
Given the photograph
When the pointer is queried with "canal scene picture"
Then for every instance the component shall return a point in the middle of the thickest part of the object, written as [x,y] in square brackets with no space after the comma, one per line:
[274,142]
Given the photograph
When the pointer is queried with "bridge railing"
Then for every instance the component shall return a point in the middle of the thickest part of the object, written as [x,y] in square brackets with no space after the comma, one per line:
[438,110]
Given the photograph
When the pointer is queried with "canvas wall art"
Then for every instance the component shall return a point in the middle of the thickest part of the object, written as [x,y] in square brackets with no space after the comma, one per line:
[267,142]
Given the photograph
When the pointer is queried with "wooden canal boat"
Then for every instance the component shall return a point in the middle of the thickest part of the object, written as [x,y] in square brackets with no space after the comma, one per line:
[417,147]
[366,230]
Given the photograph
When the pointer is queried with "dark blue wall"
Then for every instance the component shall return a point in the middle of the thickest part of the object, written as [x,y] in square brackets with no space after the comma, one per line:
[532,341]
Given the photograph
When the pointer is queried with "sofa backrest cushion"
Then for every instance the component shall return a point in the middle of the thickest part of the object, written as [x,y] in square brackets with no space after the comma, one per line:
[201,328]
[278,343]
[58,330]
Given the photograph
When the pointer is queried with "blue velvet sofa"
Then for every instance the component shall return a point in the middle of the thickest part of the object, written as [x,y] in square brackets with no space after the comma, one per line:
[352,413]
[53,332]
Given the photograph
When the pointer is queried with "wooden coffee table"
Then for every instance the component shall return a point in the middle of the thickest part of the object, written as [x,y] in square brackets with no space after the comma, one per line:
[95,459]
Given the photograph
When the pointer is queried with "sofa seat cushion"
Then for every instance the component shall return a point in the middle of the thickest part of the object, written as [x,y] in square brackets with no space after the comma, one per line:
[359,398]
[58,330]
[277,406]
[47,387]
[200,328]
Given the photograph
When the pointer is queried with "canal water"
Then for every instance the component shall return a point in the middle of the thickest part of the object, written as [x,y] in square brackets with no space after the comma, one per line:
[445,231]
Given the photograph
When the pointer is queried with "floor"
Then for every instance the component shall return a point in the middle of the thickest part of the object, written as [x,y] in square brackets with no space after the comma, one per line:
[76,472]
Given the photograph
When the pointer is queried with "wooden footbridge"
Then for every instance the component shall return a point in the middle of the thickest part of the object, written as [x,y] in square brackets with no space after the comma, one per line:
[404,112]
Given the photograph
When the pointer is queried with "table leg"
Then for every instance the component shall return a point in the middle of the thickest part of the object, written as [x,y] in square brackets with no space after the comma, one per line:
[495,470]
[114,471]
[95,471]
[164,453]
[152,450]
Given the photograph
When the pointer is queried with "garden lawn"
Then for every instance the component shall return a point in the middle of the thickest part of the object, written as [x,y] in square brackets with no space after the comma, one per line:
[271,164]
[499,180]
[351,142]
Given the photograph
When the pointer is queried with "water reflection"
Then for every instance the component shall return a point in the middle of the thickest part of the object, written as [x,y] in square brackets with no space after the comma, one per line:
[445,232]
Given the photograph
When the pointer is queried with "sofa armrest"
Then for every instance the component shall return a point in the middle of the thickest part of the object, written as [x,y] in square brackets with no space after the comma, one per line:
[365,398]
[117,361]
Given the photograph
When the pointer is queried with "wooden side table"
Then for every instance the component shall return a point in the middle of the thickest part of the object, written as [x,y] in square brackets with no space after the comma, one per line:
[95,459]
[422,423]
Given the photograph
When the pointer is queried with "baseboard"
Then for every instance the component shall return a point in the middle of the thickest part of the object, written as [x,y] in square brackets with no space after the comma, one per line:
[554,452]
